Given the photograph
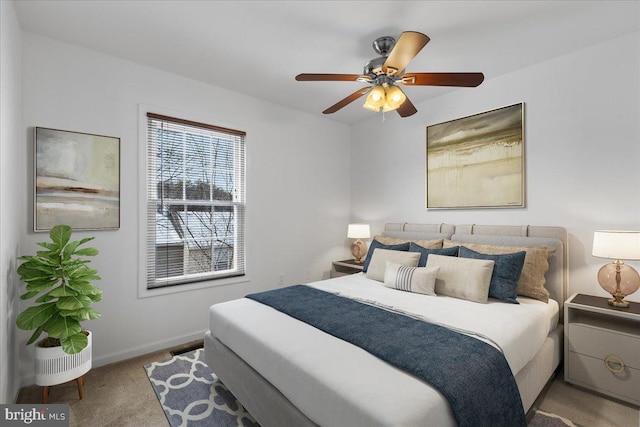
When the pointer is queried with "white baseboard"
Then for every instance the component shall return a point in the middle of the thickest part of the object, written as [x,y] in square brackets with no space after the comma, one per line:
[141,350]
[17,394]
[147,348]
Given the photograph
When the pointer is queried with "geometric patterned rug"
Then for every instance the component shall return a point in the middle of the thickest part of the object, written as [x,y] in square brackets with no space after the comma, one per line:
[191,395]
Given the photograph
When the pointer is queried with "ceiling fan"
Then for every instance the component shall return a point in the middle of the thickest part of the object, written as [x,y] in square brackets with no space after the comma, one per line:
[385,72]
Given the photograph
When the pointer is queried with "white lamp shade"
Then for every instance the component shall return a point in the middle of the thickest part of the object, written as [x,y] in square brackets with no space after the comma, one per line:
[358,231]
[616,244]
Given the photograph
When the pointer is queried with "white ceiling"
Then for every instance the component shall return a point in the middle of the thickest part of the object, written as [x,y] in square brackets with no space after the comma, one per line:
[258,47]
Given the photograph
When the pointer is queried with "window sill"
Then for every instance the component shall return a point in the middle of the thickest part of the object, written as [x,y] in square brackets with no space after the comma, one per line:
[143,292]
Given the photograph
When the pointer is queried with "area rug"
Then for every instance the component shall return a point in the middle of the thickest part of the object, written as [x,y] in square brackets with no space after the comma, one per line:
[191,395]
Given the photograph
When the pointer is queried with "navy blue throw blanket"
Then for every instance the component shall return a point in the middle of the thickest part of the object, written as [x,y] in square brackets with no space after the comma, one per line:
[473,376]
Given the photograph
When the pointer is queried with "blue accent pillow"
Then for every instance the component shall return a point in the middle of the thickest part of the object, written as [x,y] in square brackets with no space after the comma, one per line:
[506,273]
[375,244]
[424,252]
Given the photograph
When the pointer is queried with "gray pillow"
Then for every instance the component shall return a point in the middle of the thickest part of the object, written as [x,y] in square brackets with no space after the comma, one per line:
[379,259]
[463,278]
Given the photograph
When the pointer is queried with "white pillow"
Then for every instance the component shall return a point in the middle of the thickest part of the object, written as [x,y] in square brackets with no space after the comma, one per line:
[464,278]
[379,259]
[421,280]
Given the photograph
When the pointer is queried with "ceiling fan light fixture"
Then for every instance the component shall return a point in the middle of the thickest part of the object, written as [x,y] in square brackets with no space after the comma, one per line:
[394,97]
[364,79]
[376,99]
[383,73]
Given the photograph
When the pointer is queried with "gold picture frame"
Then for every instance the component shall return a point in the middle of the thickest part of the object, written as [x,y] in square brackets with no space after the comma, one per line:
[477,161]
[76,180]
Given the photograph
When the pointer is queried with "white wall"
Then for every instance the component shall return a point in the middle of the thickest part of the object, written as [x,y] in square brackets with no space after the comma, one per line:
[298,195]
[582,152]
[12,159]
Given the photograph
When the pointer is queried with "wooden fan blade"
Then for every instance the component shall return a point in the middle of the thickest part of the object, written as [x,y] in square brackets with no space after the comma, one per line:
[406,48]
[406,109]
[327,77]
[346,101]
[442,79]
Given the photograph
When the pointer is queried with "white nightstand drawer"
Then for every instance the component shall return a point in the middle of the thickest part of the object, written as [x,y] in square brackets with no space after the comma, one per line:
[602,346]
[592,372]
[600,343]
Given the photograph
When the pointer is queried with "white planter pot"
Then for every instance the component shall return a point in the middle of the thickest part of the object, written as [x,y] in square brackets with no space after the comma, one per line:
[54,366]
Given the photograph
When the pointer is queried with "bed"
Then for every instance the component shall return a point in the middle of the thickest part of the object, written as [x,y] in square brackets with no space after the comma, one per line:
[289,373]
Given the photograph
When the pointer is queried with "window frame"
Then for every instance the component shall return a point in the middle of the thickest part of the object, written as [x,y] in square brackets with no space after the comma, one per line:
[206,282]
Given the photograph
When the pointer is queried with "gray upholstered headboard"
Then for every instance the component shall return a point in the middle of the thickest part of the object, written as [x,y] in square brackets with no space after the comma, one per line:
[557,278]
[419,231]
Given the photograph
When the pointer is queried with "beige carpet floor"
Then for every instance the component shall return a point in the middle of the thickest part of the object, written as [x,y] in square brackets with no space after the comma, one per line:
[586,408]
[120,395]
[114,395]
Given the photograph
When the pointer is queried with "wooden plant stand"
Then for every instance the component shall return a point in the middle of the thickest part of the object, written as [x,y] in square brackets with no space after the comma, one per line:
[79,382]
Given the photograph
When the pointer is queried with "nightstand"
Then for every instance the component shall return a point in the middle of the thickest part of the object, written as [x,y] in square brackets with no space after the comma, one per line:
[343,268]
[602,347]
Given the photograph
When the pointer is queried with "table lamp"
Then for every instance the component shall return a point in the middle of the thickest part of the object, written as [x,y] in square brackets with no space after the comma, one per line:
[358,248]
[617,278]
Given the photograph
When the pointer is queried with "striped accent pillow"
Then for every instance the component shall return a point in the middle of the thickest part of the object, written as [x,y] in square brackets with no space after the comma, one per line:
[421,280]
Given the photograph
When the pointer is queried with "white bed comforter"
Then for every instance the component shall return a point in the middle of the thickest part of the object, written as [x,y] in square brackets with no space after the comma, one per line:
[337,384]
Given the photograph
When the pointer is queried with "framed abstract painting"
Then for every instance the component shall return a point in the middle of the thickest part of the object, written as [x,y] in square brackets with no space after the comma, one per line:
[77,180]
[477,161]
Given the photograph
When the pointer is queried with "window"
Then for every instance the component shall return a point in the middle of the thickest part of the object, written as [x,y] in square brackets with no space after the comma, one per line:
[195,201]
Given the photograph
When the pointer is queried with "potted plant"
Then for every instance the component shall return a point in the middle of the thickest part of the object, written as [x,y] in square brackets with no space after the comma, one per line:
[62,282]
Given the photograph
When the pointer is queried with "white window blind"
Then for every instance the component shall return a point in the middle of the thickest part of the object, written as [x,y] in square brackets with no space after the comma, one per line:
[195,201]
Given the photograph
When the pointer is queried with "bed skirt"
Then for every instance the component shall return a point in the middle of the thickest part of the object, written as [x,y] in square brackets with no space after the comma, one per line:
[263,401]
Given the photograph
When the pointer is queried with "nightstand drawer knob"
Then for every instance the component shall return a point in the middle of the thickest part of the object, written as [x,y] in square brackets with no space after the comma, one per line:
[614,364]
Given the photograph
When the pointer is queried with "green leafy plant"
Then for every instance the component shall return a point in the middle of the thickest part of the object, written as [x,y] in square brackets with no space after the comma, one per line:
[62,278]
